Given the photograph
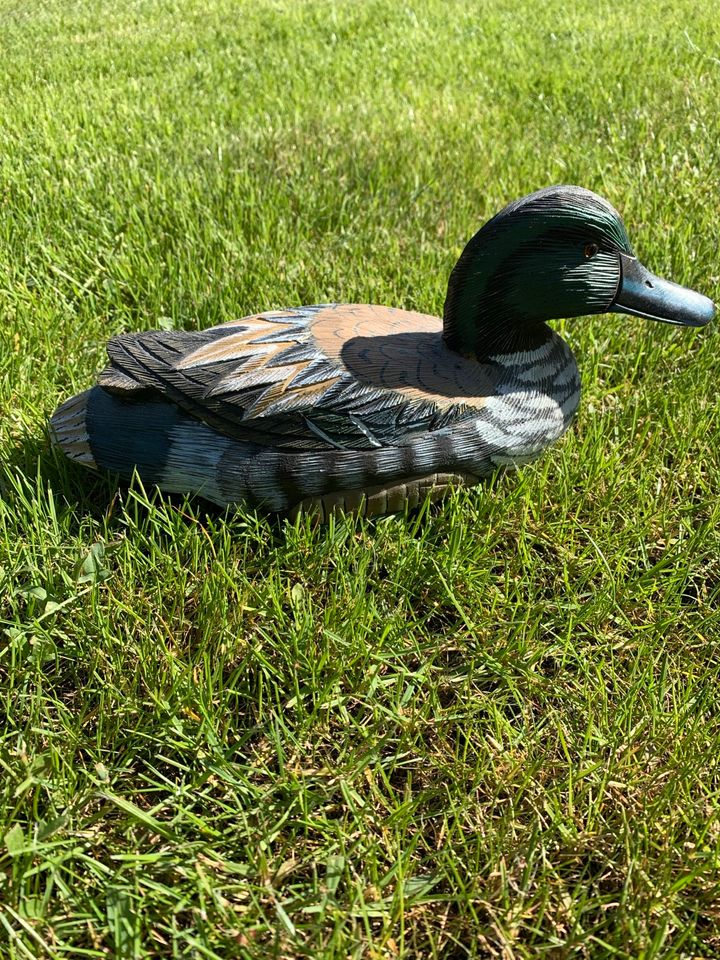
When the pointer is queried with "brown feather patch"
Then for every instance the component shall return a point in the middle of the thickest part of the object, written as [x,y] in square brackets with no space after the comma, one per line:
[238,346]
[404,351]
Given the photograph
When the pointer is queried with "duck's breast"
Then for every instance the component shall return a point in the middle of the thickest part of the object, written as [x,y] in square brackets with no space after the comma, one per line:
[536,397]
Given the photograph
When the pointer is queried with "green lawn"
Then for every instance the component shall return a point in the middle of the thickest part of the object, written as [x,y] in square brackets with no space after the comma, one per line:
[490,729]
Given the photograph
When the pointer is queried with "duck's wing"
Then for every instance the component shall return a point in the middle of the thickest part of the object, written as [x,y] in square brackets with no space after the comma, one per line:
[278,380]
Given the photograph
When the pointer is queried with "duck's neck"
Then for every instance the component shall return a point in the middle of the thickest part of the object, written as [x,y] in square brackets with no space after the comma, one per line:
[485,312]
[484,334]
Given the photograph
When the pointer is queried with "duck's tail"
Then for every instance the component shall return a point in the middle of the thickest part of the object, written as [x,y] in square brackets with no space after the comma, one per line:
[166,446]
[68,430]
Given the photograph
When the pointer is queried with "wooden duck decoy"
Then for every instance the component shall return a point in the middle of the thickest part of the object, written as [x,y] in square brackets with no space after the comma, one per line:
[359,407]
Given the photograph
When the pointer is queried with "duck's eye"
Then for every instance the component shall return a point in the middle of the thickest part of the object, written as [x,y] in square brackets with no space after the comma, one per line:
[590,250]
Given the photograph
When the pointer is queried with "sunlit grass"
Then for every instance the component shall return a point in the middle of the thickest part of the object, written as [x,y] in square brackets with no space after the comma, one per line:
[489,729]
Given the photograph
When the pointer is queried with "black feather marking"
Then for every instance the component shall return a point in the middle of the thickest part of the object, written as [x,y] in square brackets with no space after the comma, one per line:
[127,434]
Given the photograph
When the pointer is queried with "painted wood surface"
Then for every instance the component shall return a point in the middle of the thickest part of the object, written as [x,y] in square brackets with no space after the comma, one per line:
[358,406]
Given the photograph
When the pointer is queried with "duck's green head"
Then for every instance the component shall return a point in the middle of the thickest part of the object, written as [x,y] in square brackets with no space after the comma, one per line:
[560,252]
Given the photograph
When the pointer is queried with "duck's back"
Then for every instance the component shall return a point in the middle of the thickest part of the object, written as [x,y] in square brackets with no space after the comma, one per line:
[337,404]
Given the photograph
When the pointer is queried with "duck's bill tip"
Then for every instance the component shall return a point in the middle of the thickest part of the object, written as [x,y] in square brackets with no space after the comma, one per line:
[643,294]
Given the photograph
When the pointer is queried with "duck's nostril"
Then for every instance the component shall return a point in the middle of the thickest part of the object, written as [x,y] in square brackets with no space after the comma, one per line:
[648,284]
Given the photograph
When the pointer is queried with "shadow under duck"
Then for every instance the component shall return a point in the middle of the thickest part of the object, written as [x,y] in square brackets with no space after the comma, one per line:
[369,408]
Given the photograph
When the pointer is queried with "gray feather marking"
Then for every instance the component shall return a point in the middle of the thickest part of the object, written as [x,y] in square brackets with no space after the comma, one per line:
[241,382]
[323,436]
[113,379]
[280,336]
[295,354]
[286,316]
[318,371]
[366,431]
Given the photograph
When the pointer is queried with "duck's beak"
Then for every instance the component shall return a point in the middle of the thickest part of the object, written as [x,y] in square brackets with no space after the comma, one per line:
[645,295]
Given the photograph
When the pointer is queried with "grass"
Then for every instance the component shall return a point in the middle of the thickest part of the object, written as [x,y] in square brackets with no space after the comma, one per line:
[489,729]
